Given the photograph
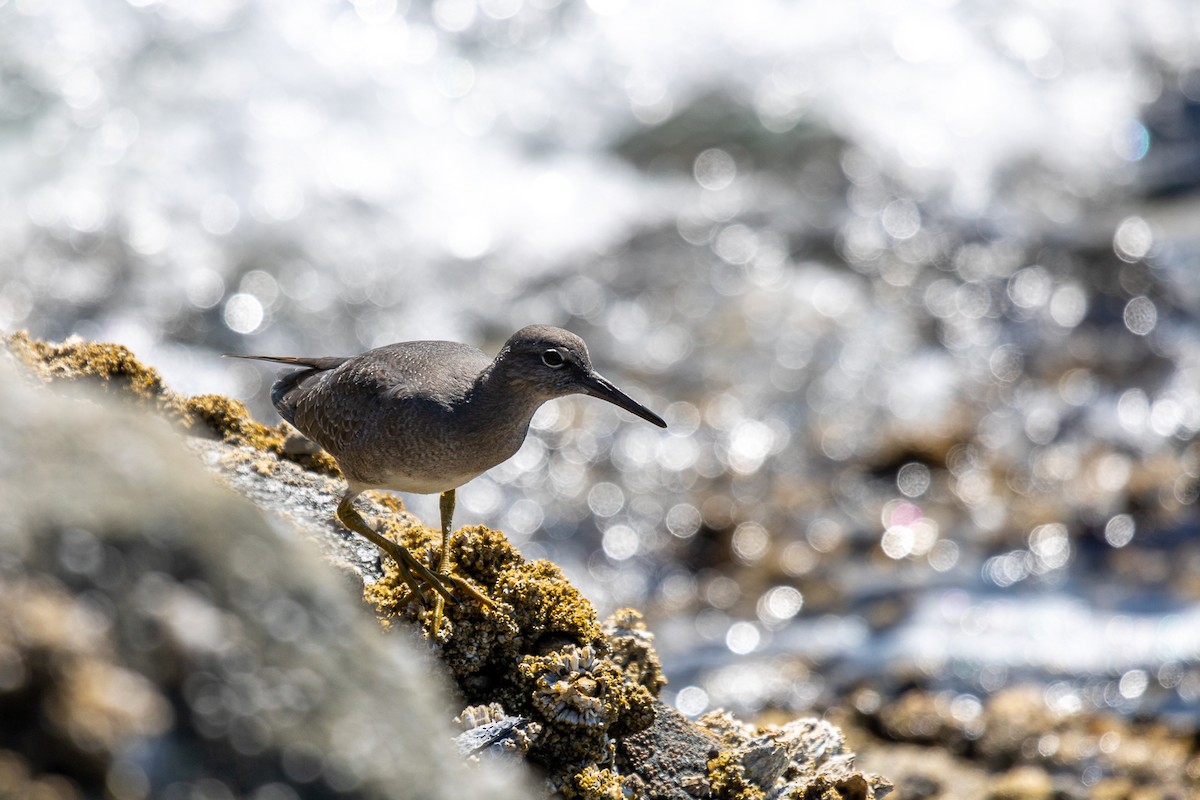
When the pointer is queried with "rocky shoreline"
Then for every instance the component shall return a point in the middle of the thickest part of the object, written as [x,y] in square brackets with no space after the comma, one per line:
[162,637]
[540,676]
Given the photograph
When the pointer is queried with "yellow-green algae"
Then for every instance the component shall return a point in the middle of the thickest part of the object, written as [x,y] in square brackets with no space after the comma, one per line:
[231,421]
[541,652]
[112,367]
[726,772]
[116,371]
[501,654]
[594,783]
[727,779]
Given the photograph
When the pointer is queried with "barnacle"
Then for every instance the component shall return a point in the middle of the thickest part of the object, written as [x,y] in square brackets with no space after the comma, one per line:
[520,739]
[585,700]
[478,716]
[569,689]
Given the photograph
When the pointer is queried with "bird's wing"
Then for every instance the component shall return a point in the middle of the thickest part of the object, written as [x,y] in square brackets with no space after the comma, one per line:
[331,399]
[429,371]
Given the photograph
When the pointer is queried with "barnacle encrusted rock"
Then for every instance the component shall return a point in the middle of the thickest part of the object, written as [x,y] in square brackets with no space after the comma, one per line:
[540,652]
[804,758]
[595,783]
[578,696]
[475,640]
[633,649]
[488,730]
[727,779]
[670,757]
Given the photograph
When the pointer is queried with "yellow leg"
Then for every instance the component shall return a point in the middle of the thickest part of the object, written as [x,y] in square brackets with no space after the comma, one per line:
[447,508]
[410,567]
[446,505]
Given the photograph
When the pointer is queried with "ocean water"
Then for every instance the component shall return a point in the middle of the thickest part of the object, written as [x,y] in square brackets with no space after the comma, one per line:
[915,286]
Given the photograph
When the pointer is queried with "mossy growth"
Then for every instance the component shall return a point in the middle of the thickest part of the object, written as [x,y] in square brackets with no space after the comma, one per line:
[116,371]
[112,367]
[594,783]
[727,779]
[540,652]
[474,639]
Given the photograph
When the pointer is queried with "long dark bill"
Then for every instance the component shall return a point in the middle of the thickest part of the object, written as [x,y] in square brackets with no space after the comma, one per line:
[599,386]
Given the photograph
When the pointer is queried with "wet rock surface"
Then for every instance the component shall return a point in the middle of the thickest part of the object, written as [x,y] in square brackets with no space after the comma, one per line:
[246,656]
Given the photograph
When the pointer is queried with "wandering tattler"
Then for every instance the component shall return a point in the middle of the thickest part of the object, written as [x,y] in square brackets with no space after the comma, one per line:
[426,417]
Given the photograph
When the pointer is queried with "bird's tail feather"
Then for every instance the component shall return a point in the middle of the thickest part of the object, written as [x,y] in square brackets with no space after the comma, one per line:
[317,363]
[289,388]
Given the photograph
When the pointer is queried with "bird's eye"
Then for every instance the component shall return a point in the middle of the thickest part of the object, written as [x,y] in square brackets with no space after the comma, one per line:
[553,359]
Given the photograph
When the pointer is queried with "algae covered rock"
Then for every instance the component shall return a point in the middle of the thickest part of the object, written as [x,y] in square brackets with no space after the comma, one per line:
[228,644]
[541,653]
[633,649]
[114,371]
[157,631]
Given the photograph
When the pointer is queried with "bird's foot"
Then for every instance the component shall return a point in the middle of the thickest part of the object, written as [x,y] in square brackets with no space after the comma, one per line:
[460,584]
[418,576]
[467,589]
[420,579]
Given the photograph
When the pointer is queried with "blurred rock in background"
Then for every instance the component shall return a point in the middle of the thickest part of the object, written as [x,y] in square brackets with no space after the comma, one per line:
[160,638]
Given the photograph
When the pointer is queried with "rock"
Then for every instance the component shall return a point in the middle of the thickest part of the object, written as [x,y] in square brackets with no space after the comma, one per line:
[804,758]
[251,661]
[156,630]
[671,756]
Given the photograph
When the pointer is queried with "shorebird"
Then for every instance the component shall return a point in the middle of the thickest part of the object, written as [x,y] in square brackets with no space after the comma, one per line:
[426,417]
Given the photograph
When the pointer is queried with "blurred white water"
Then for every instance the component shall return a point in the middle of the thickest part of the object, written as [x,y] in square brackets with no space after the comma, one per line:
[411,163]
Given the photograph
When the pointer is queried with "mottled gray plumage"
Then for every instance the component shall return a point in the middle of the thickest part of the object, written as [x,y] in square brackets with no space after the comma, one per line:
[429,416]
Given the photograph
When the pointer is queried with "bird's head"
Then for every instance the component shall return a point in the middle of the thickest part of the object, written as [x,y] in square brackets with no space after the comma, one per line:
[553,362]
